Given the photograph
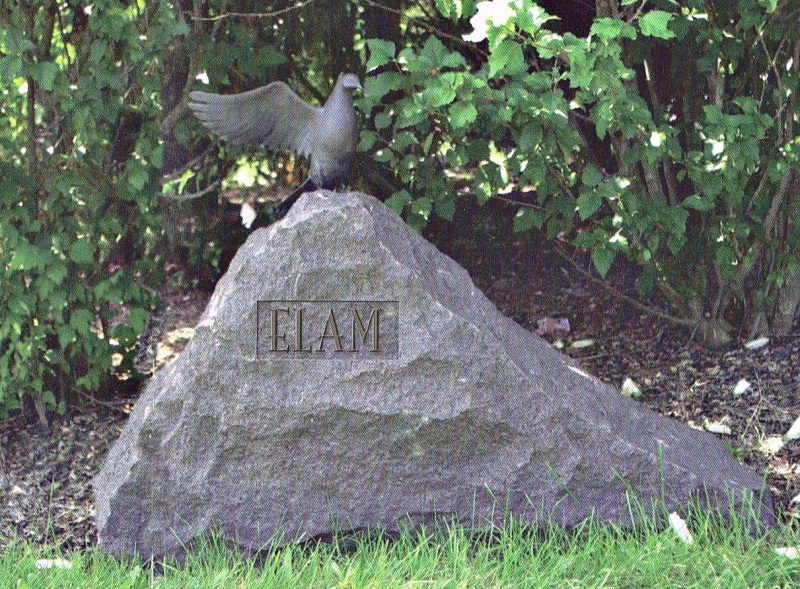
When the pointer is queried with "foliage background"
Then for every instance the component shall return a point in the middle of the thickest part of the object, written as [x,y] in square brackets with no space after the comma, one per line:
[661,132]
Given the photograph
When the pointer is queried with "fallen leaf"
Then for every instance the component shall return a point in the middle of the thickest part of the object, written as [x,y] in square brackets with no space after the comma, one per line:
[771,445]
[794,431]
[180,334]
[631,389]
[549,326]
[717,427]
[55,563]
[693,425]
[248,214]
[577,370]
[741,387]
[680,528]
[757,343]
[791,552]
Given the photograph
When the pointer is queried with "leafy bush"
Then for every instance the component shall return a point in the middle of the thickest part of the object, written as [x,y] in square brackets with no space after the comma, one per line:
[81,160]
[667,135]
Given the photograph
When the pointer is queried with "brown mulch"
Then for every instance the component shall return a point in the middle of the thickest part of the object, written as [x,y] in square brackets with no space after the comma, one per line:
[45,477]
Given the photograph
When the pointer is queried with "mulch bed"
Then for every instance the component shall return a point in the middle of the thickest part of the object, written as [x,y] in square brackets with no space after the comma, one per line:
[45,477]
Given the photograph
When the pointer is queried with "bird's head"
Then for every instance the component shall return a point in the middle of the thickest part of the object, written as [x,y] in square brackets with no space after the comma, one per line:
[349,82]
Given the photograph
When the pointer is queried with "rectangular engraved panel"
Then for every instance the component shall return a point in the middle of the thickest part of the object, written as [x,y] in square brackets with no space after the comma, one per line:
[327,329]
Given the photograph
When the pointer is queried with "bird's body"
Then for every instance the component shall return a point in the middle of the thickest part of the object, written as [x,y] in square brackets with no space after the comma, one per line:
[275,117]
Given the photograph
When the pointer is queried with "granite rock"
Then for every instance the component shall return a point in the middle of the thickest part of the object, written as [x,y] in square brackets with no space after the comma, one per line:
[462,414]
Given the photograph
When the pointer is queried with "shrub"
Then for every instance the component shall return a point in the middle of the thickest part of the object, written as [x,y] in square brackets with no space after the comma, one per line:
[666,135]
[81,160]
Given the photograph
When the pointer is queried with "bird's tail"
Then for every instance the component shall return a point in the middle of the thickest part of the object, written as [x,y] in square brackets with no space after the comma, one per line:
[283,207]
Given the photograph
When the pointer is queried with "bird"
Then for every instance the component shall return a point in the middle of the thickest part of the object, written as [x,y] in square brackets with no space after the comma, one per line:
[273,116]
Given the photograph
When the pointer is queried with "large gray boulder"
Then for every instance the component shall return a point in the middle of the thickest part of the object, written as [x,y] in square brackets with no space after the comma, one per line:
[462,413]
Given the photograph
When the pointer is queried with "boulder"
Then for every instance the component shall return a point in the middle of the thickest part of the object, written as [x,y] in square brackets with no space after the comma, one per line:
[455,411]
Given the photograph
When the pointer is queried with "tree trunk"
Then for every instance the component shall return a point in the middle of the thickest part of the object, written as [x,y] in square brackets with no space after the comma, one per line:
[383,23]
[175,213]
[788,307]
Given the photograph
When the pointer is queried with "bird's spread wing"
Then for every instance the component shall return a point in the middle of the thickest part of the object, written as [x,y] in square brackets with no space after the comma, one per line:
[272,115]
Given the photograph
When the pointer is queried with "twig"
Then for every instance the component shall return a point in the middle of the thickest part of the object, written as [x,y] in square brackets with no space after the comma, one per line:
[170,120]
[111,405]
[194,195]
[175,174]
[272,14]
[62,31]
[639,305]
[430,28]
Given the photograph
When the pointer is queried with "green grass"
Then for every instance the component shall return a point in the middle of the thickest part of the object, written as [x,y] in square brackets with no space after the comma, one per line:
[723,556]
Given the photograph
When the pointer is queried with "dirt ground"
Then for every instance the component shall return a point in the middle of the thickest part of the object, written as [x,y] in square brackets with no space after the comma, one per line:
[45,477]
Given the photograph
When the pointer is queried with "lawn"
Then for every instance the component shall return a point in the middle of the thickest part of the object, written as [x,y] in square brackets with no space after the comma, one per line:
[591,556]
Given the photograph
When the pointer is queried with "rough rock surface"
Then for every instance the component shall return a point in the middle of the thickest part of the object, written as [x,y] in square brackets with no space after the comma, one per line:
[473,417]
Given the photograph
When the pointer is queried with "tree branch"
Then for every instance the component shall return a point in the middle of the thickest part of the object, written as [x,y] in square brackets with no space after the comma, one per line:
[193,195]
[639,305]
[430,28]
[272,14]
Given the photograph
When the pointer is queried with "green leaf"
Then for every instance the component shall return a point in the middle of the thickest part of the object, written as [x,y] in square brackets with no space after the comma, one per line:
[726,260]
[398,201]
[57,273]
[376,87]
[137,178]
[532,18]
[629,2]
[138,319]
[527,218]
[82,252]
[656,24]
[608,29]
[434,53]
[588,203]
[381,52]
[270,57]
[180,28]
[27,257]
[422,206]
[697,202]
[81,320]
[44,74]
[602,259]
[66,335]
[49,399]
[462,114]
[507,57]
[581,68]
[382,120]
[426,145]
[448,8]
[446,207]
[436,96]
[367,140]
[16,43]
[591,175]
[10,67]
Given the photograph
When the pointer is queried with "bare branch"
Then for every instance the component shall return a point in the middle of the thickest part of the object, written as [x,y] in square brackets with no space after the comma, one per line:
[636,303]
[272,14]
[193,195]
[175,174]
[430,28]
